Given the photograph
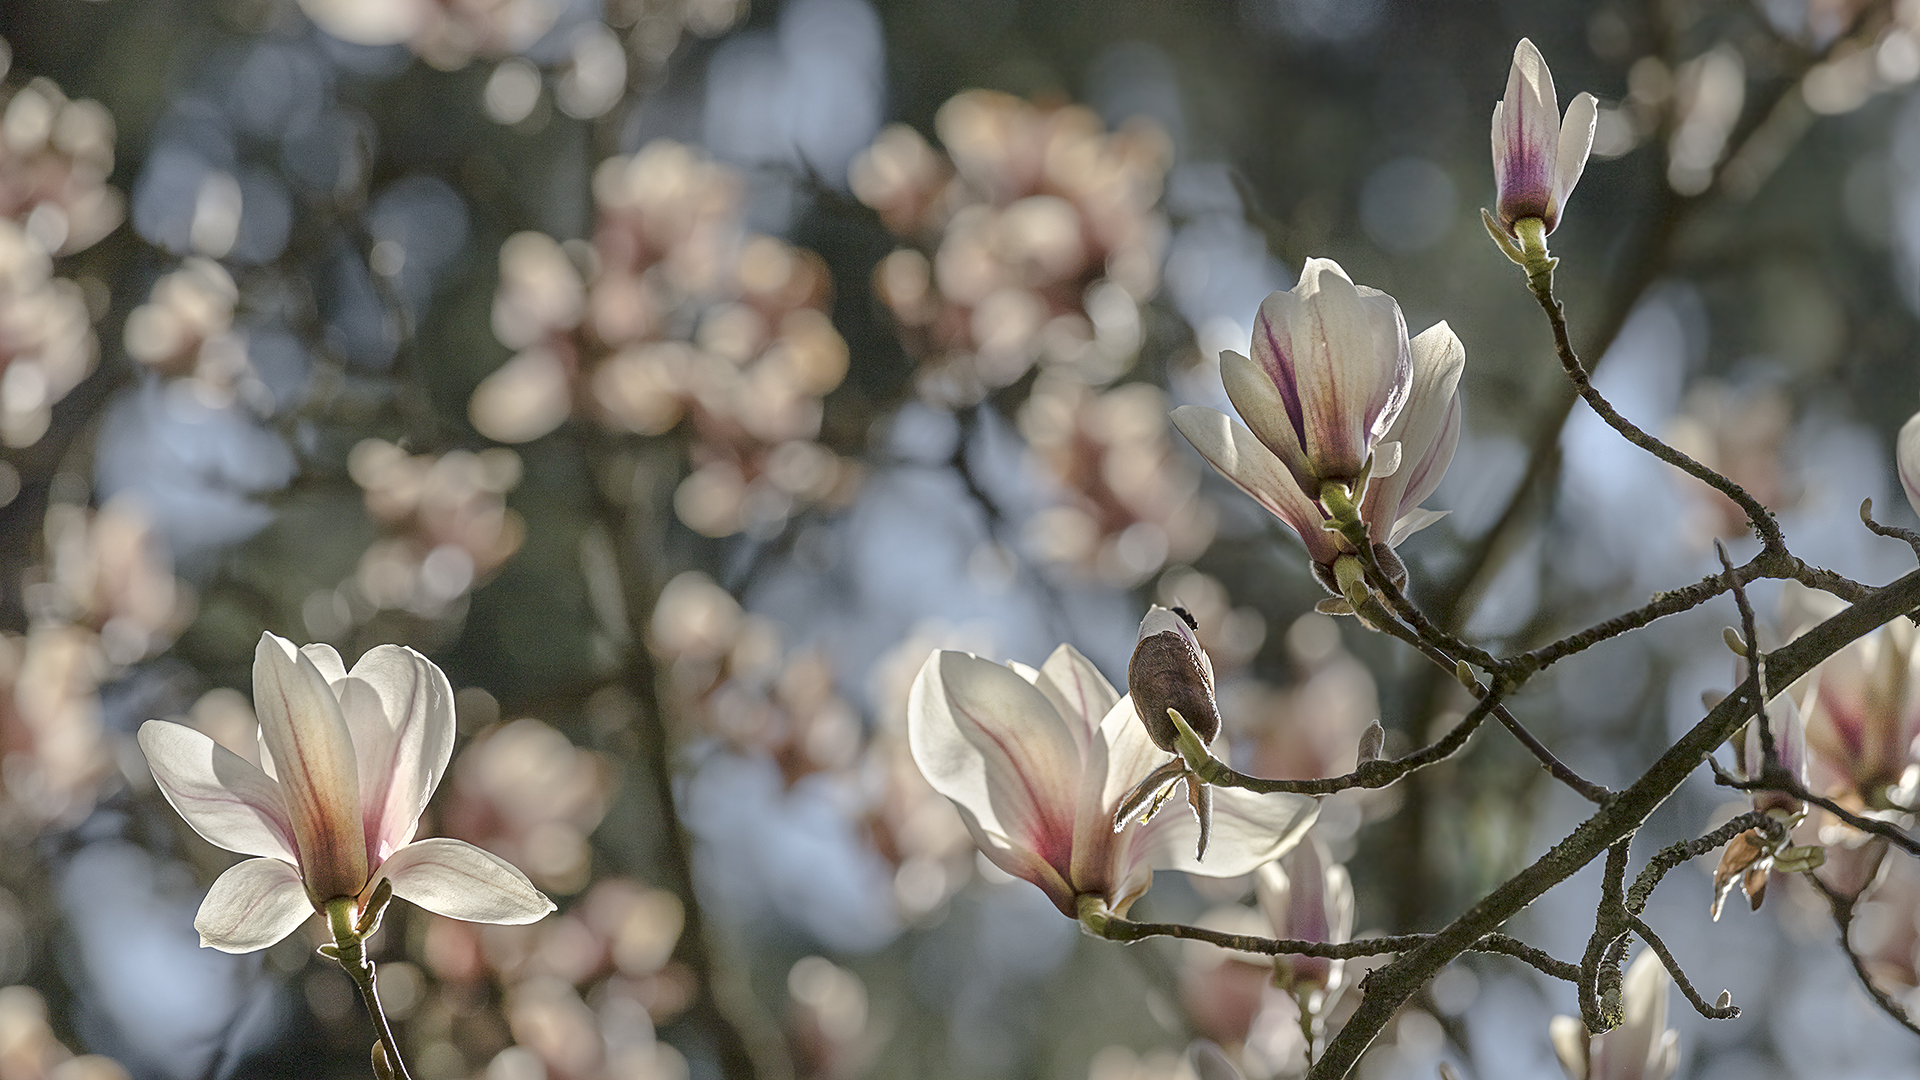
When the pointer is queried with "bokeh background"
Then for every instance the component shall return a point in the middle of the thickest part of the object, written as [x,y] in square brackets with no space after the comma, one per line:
[679,373]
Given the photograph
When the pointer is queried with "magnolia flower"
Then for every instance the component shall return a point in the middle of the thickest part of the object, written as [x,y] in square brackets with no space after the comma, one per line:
[1908,455]
[1641,1048]
[1334,386]
[1307,896]
[350,759]
[1862,708]
[1038,761]
[1538,157]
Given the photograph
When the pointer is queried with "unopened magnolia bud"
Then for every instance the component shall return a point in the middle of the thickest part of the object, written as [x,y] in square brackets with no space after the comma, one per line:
[1465,674]
[1725,999]
[1372,742]
[1169,671]
[382,1068]
[1733,640]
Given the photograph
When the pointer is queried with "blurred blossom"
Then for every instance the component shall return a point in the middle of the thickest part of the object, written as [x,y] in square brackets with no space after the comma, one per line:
[1311,728]
[104,598]
[358,755]
[1537,155]
[29,1050]
[185,330]
[444,34]
[1709,92]
[55,157]
[1641,1048]
[46,337]
[674,315]
[1862,708]
[827,1021]
[1034,239]
[445,529]
[526,793]
[731,675]
[1038,761]
[1907,457]
[1741,435]
[1306,895]
[1223,990]
[1129,504]
[1886,932]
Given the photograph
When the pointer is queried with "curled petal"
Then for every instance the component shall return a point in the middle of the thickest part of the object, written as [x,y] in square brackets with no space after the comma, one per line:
[1570,160]
[301,723]
[1229,447]
[222,795]
[399,707]
[1428,430]
[251,906]
[456,879]
[1273,418]
[1344,351]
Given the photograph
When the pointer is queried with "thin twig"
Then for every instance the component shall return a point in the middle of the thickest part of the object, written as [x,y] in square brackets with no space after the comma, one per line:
[1674,854]
[1908,536]
[1756,664]
[1609,926]
[1119,929]
[1368,774]
[1700,1004]
[1781,780]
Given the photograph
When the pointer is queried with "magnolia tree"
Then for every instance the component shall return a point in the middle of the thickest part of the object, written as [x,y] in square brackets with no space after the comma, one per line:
[1346,424]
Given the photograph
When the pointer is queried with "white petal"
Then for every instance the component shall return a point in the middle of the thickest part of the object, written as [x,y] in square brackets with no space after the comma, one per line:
[1078,691]
[399,707]
[301,723]
[1526,137]
[218,792]
[1571,1044]
[251,906]
[1413,522]
[1576,141]
[1427,429]
[1130,753]
[456,879]
[1229,447]
[1632,1048]
[327,660]
[1248,830]
[990,741]
[1909,458]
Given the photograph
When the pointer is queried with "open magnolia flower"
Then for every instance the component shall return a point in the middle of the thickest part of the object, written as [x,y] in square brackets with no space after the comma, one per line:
[1038,761]
[1538,156]
[1308,896]
[350,760]
[1641,1048]
[1335,392]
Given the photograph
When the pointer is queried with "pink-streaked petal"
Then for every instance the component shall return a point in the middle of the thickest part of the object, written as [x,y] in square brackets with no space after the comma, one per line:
[1413,522]
[1908,454]
[1130,754]
[1526,138]
[1021,863]
[251,906]
[301,722]
[1263,410]
[1351,364]
[1248,830]
[990,741]
[1078,691]
[1570,159]
[399,707]
[1229,447]
[456,879]
[216,791]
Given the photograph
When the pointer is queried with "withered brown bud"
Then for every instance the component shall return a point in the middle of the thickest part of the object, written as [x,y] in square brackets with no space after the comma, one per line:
[1170,671]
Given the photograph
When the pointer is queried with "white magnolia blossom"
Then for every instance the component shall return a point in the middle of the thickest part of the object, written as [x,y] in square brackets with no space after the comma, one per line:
[1641,1048]
[1308,896]
[1333,385]
[1038,761]
[1538,156]
[350,758]
[1908,455]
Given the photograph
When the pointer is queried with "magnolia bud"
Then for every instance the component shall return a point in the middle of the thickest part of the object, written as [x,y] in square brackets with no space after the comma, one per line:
[1169,670]
[1372,742]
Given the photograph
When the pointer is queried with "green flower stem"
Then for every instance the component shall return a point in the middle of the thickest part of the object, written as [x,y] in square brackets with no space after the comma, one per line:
[349,948]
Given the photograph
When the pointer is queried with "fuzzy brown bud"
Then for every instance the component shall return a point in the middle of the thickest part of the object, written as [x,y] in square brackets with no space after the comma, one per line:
[1169,670]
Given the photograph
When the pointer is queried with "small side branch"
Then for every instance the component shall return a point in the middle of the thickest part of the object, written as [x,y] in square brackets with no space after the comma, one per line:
[1673,855]
[1370,774]
[1700,1004]
[1842,908]
[1781,781]
[1907,536]
[1115,928]
[1756,664]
